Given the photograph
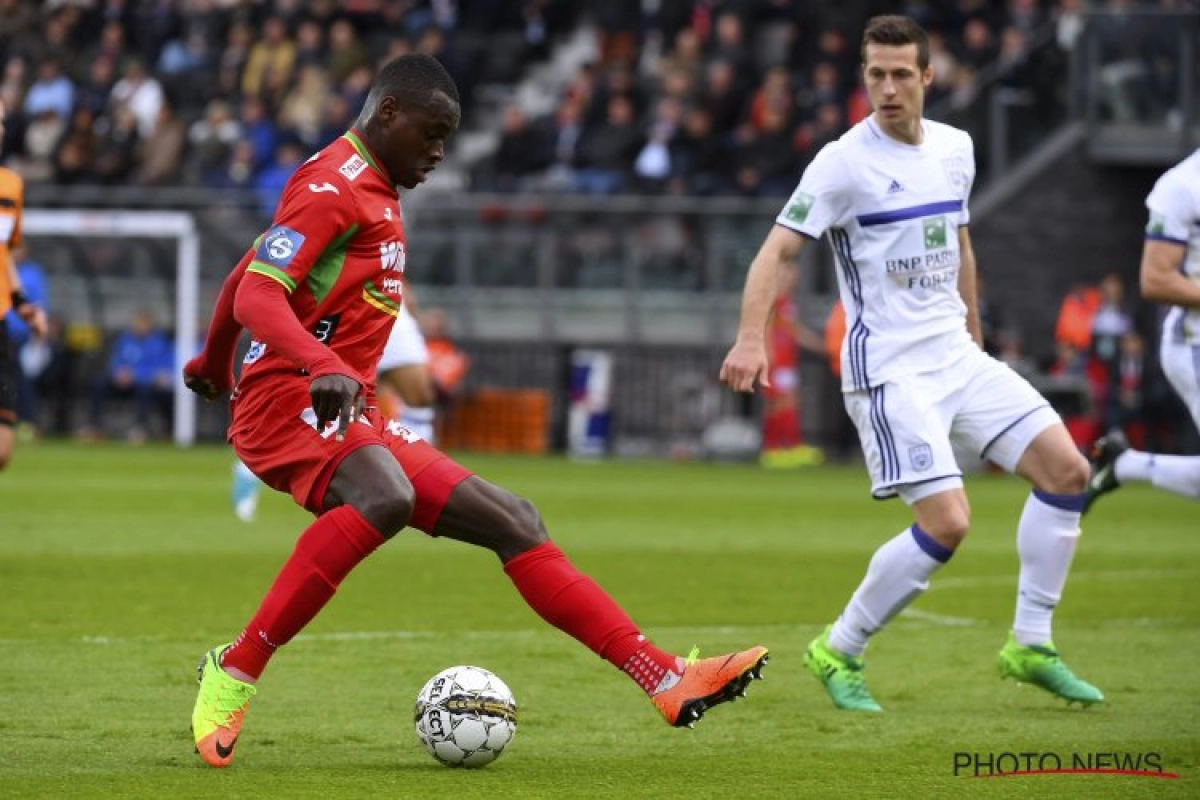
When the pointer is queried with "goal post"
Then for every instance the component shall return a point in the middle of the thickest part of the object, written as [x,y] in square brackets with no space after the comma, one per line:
[176,225]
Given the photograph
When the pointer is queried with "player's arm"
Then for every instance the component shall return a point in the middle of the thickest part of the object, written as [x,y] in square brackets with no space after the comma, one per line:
[1161,278]
[306,223]
[746,363]
[968,284]
[210,373]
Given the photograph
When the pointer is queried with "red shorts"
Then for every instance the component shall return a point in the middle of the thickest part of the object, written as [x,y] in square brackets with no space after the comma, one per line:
[274,433]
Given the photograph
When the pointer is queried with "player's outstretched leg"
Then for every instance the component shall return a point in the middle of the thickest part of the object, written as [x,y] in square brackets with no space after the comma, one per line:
[682,690]
[840,674]
[1103,456]
[220,707]
[1041,666]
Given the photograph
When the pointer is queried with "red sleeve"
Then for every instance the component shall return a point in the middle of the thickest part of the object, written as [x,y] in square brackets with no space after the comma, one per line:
[262,306]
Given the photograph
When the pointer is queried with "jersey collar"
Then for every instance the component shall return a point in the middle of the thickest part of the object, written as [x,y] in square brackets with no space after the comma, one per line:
[355,140]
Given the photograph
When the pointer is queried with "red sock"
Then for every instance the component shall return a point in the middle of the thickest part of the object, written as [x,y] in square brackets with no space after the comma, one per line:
[576,605]
[781,429]
[325,553]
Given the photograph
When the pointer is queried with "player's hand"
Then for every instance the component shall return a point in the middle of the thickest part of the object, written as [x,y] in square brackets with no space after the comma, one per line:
[336,397]
[198,378]
[35,318]
[745,365]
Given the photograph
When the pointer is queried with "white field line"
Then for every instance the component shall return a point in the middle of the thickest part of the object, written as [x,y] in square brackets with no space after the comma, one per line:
[939,619]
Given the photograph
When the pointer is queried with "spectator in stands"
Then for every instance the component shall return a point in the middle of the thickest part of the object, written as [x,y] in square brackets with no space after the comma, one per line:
[52,91]
[346,52]
[234,55]
[93,92]
[118,146]
[722,99]
[699,159]
[606,151]
[304,106]
[260,130]
[1110,322]
[272,58]
[211,139]
[268,186]
[978,47]
[1129,386]
[141,93]
[77,149]
[310,45]
[141,367]
[160,155]
[652,166]
[765,162]
[521,154]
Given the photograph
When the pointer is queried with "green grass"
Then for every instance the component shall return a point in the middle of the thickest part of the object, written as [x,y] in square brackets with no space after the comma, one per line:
[120,566]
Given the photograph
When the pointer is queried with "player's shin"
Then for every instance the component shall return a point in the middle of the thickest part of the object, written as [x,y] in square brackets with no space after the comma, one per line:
[899,572]
[575,604]
[325,554]
[1046,538]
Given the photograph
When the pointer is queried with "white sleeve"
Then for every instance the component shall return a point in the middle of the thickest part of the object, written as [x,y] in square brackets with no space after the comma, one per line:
[405,346]
[1172,208]
[968,181]
[821,199]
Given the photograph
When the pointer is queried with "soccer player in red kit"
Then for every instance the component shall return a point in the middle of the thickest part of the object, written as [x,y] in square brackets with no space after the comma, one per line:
[319,292]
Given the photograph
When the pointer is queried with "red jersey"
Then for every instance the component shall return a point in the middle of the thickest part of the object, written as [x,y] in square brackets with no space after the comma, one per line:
[337,245]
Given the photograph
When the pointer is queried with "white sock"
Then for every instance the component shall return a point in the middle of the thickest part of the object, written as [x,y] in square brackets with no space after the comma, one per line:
[1178,474]
[419,421]
[898,574]
[1046,539]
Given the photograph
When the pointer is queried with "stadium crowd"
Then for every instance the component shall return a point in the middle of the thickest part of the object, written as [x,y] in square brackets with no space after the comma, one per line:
[694,96]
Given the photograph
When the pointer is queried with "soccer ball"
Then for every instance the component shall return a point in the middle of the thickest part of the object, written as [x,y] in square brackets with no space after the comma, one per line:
[465,716]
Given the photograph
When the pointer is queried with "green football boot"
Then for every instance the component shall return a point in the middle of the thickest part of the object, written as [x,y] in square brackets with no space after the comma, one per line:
[840,674]
[220,707]
[1041,666]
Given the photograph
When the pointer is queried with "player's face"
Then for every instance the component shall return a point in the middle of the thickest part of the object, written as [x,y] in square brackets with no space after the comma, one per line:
[415,139]
[895,83]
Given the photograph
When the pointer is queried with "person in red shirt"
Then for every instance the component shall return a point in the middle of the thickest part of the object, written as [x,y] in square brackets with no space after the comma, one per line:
[319,291]
[783,441]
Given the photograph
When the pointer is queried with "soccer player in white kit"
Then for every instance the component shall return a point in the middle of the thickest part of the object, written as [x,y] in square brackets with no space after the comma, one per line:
[404,366]
[1170,273]
[892,195]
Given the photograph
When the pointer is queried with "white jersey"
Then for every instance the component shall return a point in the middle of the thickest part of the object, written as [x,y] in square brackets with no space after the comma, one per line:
[892,211]
[1174,205]
[406,344]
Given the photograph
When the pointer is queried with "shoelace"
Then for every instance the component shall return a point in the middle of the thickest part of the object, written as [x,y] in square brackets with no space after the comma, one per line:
[693,656]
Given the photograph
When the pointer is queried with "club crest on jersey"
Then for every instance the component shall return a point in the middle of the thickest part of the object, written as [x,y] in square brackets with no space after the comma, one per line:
[921,457]
[279,246]
[353,167]
[391,256]
[955,170]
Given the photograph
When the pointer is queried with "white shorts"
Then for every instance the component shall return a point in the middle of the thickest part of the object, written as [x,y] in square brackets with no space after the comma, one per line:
[1181,364]
[405,346]
[909,428]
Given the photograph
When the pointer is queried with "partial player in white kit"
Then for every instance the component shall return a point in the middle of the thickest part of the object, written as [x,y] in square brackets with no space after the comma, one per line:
[404,367]
[1170,273]
[892,195]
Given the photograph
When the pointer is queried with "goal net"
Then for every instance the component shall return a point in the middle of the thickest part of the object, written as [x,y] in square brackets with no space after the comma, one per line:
[93,227]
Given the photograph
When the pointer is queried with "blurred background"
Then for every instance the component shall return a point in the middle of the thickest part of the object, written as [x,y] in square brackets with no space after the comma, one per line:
[584,245]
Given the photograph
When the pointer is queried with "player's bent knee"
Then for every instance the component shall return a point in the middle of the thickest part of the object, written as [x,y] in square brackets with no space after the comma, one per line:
[523,528]
[1071,476]
[388,511]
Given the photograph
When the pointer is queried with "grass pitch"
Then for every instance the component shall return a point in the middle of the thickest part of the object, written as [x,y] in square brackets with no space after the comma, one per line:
[120,566]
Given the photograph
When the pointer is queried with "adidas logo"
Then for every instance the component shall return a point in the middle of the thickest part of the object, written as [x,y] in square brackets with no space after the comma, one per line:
[895,187]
